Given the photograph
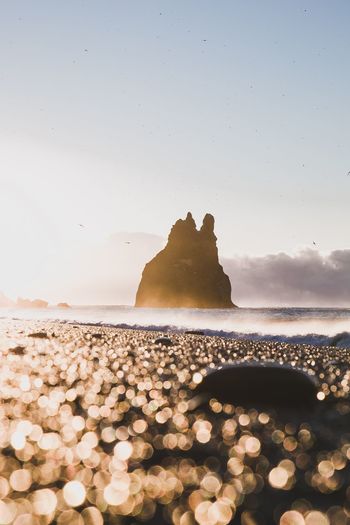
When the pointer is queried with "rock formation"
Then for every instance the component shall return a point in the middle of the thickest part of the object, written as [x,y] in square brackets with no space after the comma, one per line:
[27,303]
[187,272]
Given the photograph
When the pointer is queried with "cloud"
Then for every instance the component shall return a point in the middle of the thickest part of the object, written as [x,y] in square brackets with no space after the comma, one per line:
[305,279]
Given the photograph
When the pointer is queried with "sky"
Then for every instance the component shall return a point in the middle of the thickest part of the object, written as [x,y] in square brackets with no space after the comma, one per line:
[119,117]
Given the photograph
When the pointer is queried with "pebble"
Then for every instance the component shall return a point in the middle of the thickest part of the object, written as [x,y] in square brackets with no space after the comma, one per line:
[115,430]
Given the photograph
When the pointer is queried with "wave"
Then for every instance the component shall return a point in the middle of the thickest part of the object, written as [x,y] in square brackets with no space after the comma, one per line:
[339,340]
[313,326]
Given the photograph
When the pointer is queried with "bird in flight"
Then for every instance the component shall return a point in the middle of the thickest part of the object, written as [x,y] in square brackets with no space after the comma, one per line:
[81,225]
[127,242]
[313,242]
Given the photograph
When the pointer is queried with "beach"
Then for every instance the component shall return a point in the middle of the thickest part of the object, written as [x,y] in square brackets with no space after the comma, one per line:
[105,425]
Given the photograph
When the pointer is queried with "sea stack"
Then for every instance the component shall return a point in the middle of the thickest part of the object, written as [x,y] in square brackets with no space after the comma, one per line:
[187,272]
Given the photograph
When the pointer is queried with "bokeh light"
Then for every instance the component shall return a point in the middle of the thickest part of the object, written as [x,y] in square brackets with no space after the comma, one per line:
[101,425]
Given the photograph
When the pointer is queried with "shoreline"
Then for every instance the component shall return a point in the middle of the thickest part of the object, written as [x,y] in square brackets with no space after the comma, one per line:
[178,332]
[314,327]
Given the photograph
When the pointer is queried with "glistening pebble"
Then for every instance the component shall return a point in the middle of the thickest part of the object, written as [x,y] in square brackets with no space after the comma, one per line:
[103,425]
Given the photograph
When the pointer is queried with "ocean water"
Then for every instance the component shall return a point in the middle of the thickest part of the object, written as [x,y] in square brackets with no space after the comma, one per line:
[318,326]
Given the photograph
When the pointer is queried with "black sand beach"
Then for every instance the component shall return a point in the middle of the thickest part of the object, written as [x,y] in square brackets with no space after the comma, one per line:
[102,425]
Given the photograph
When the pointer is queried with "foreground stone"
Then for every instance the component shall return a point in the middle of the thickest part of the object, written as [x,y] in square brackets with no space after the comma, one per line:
[261,385]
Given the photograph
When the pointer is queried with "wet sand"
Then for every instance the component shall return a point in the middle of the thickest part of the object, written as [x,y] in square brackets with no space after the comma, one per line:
[103,425]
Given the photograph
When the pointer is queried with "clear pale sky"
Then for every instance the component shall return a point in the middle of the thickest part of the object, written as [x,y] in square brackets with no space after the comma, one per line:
[122,116]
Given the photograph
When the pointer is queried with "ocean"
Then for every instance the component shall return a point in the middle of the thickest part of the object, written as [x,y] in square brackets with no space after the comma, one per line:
[317,326]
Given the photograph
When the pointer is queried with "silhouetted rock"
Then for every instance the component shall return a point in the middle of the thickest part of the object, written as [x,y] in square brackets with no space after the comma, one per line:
[39,335]
[63,305]
[165,341]
[27,303]
[17,350]
[260,384]
[187,272]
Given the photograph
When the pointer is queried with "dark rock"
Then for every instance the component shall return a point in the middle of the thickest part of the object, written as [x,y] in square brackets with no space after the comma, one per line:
[39,335]
[17,350]
[194,332]
[260,384]
[165,341]
[187,272]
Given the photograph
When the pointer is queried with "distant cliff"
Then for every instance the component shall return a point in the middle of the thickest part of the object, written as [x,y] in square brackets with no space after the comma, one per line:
[27,303]
[187,273]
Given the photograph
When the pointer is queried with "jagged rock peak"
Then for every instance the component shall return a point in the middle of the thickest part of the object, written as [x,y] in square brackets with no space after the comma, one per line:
[183,230]
[208,222]
[186,229]
[189,218]
[187,273]
[207,228]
